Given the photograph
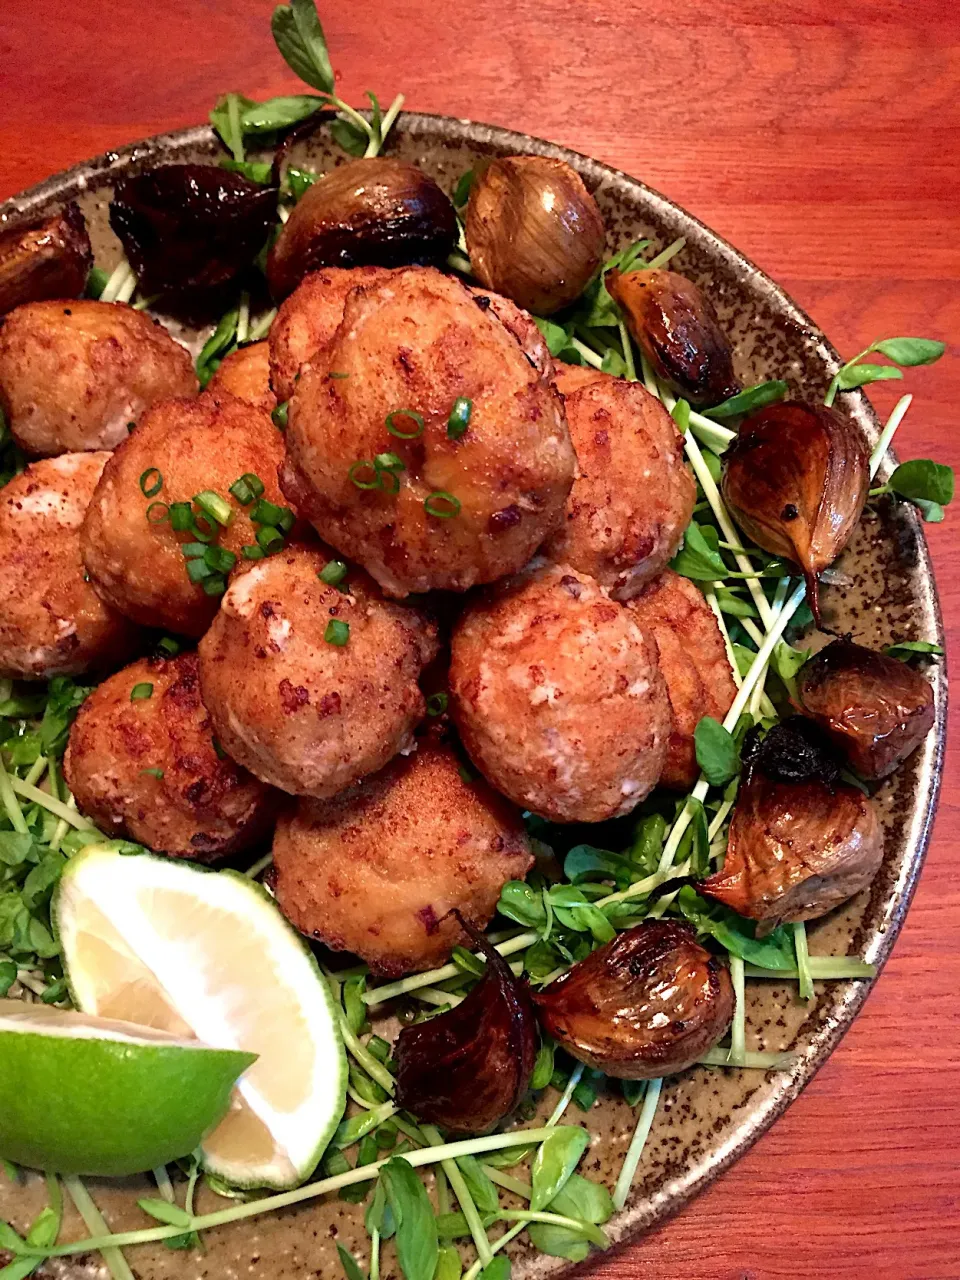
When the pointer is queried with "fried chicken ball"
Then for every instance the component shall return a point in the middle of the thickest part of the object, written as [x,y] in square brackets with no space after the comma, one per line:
[245,373]
[187,446]
[376,869]
[573,377]
[52,622]
[558,697]
[694,663]
[308,319]
[311,686]
[75,375]
[462,501]
[142,762]
[633,497]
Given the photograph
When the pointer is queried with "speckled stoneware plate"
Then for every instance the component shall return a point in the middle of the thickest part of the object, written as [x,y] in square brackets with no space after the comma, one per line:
[707,1116]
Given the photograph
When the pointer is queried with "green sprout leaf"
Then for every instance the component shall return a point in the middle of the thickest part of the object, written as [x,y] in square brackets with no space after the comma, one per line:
[922,480]
[902,351]
[910,351]
[350,1265]
[226,120]
[717,753]
[279,113]
[748,400]
[169,1214]
[302,44]
[860,375]
[904,649]
[697,559]
[556,1159]
[416,1238]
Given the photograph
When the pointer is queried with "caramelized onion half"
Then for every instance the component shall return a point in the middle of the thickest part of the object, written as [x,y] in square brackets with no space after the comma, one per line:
[799,843]
[875,709]
[647,1004]
[533,232]
[188,229]
[46,260]
[468,1068]
[678,331]
[375,212]
[795,479]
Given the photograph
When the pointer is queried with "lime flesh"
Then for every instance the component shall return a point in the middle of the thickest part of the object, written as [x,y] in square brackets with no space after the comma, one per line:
[82,1095]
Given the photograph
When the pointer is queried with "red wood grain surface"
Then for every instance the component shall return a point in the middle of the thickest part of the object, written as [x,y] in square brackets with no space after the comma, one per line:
[822,137]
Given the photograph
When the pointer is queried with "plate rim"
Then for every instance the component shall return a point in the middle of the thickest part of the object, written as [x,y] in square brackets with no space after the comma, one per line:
[640,1216]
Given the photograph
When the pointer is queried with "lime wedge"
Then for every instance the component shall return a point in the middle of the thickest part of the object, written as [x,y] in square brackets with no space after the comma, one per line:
[94,1096]
[194,952]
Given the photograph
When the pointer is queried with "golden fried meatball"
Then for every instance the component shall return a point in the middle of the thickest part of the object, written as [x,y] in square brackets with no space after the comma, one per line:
[142,762]
[75,375]
[634,496]
[245,373]
[311,686]
[452,509]
[308,319]
[572,377]
[557,696]
[376,869]
[52,622]
[693,659]
[185,446]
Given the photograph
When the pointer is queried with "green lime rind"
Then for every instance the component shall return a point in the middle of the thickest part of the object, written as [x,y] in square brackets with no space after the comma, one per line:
[328,1101]
[102,1103]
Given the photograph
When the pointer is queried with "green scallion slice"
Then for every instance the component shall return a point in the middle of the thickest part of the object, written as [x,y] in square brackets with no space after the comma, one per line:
[333,573]
[437,704]
[198,570]
[266,512]
[459,418]
[214,506]
[221,754]
[193,549]
[372,478]
[153,773]
[412,416]
[157,512]
[214,585]
[337,632]
[141,691]
[441,505]
[219,559]
[252,553]
[181,517]
[240,489]
[270,539]
[168,646]
[279,415]
[151,482]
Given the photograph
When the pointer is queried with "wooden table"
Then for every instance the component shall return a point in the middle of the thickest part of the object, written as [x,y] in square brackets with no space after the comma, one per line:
[822,137]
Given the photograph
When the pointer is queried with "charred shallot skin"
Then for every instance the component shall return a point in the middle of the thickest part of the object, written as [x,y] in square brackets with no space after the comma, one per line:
[676,327]
[647,1004]
[875,709]
[48,259]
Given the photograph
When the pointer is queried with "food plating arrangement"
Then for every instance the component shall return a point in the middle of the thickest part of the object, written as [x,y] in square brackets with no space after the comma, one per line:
[437,690]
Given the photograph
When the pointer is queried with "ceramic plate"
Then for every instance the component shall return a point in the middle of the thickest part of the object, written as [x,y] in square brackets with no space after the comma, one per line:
[707,1116]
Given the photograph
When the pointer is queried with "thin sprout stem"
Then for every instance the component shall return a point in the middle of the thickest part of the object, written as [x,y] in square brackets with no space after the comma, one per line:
[164,1185]
[519,942]
[627,352]
[501,1241]
[47,801]
[259,866]
[664,256]
[713,602]
[822,968]
[374,1069]
[460,262]
[116,280]
[236,133]
[508,1182]
[63,826]
[719,1057]
[465,1199]
[386,124]
[10,804]
[243,319]
[128,288]
[719,819]
[37,770]
[260,330]
[649,377]
[888,432]
[565,1097]
[632,1159]
[738,1030]
[94,1221]
[374,1254]
[587,1229]
[803,960]
[353,116]
[588,353]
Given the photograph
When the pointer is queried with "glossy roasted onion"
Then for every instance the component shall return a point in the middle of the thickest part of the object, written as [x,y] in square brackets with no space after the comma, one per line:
[799,842]
[875,709]
[533,232]
[468,1068]
[677,328]
[188,229]
[795,479]
[375,212]
[45,260]
[647,1004]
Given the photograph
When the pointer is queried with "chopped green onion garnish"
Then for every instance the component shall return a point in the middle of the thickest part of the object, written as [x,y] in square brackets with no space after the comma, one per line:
[442,505]
[251,553]
[373,482]
[219,558]
[157,512]
[338,375]
[333,573]
[270,539]
[279,415]
[214,506]
[248,487]
[193,549]
[221,754]
[153,773]
[141,691]
[169,646]
[151,482]
[181,516]
[459,418]
[215,585]
[437,704]
[267,513]
[197,570]
[413,416]
[337,632]
[387,465]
